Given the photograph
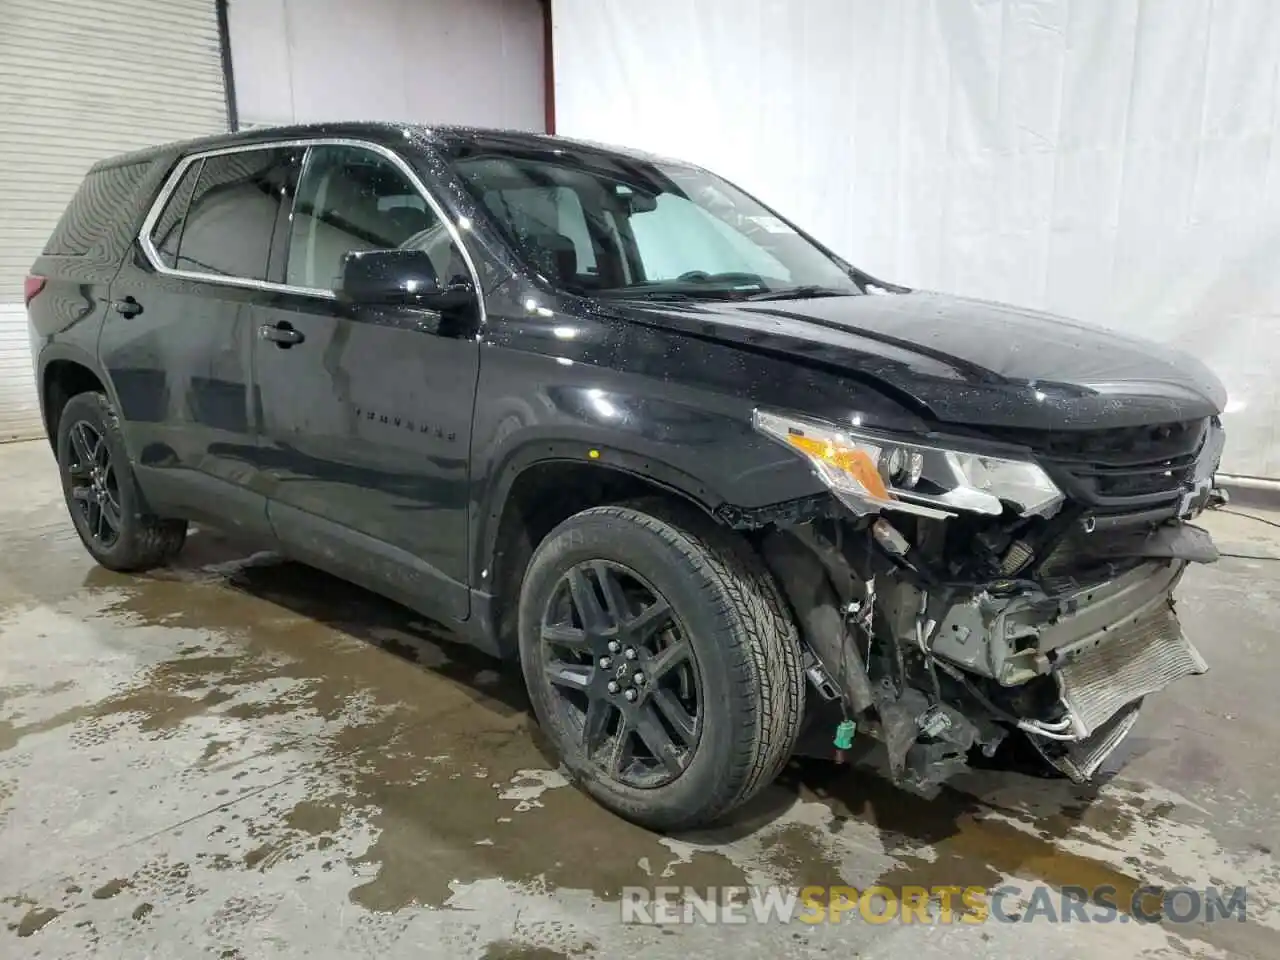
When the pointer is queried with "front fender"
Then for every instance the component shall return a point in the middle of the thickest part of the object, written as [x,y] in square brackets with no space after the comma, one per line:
[562,381]
[702,447]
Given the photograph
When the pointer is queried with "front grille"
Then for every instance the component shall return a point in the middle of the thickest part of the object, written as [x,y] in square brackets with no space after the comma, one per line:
[1100,549]
[1123,445]
[1080,557]
[1123,468]
[1151,653]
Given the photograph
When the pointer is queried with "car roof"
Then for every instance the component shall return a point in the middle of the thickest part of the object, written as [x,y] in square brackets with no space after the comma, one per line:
[387,133]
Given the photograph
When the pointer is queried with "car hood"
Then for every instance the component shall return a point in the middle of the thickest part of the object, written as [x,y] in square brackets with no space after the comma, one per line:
[966,361]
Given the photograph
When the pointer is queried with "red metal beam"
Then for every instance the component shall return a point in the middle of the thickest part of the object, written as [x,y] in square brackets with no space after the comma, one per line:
[548,70]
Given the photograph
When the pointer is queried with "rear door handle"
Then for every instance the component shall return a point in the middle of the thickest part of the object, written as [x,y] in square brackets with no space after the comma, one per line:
[128,307]
[283,334]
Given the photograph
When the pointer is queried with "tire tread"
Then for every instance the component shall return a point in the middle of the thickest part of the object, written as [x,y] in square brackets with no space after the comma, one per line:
[769,676]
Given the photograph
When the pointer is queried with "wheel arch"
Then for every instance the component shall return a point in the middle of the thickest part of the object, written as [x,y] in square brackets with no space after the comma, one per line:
[64,371]
[537,492]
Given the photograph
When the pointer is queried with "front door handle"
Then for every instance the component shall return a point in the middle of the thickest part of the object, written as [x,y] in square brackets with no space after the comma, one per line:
[283,334]
[127,308]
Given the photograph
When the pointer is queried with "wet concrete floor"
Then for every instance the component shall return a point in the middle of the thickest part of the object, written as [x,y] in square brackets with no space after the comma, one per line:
[241,757]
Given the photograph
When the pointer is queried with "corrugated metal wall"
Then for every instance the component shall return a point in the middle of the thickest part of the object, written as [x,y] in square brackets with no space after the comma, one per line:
[1113,160]
[81,80]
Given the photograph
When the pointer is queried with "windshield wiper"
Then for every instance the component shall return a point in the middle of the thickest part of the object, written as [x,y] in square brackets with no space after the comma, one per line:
[667,294]
[802,292]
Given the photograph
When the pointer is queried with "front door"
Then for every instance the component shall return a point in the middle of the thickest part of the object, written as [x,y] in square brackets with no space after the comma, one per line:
[366,411]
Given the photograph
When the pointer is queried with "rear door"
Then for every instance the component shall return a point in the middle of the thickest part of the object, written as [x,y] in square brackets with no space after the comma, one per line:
[178,343]
[366,411]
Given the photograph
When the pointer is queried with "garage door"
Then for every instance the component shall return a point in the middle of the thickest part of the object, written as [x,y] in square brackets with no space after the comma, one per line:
[81,80]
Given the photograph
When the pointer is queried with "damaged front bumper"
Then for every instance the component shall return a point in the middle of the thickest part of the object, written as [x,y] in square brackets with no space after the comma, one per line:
[937,669]
[1105,647]
[951,599]
[1013,632]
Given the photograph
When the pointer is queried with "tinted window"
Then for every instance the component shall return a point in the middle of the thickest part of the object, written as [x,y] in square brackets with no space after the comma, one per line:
[168,229]
[354,199]
[558,221]
[596,222]
[233,212]
[539,213]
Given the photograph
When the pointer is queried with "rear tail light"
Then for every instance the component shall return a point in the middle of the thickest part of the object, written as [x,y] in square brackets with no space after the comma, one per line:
[30,287]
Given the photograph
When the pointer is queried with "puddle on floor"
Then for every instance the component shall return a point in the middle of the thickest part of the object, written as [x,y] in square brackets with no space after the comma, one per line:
[416,776]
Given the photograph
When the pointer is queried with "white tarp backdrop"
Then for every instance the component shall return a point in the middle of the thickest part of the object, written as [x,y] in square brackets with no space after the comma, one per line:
[1117,161]
[418,61]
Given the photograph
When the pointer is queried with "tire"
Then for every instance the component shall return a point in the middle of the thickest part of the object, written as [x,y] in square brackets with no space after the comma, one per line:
[745,661]
[88,425]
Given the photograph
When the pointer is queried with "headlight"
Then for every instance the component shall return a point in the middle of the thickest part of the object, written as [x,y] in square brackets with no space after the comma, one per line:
[870,473]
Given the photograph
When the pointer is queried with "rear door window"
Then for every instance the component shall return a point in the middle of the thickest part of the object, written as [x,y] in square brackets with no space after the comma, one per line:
[236,204]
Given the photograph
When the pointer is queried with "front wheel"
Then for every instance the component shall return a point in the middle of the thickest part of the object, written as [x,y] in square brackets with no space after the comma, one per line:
[660,662]
[99,488]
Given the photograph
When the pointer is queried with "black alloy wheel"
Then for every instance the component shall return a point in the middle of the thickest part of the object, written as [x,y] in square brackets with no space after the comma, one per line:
[661,662]
[95,489]
[102,493]
[623,674]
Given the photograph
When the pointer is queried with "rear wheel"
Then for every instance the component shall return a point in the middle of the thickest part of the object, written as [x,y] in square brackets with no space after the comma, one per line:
[98,486]
[660,662]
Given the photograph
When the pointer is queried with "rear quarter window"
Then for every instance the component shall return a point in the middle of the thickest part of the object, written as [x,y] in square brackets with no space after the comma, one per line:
[167,233]
[104,197]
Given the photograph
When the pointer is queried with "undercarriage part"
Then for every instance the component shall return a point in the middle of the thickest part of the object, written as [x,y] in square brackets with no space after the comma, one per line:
[1081,760]
[835,606]
[900,725]
[941,750]
[819,679]
[821,617]
[1016,557]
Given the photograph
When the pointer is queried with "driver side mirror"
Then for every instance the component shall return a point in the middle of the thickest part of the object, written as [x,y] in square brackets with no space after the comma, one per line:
[398,278]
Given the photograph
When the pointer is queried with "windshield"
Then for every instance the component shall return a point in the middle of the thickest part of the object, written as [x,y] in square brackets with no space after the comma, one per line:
[609,225]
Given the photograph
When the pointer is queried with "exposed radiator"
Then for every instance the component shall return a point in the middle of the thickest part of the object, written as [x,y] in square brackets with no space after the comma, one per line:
[1147,656]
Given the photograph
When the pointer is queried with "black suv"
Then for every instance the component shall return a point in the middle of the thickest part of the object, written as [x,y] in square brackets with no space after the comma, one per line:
[607,415]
